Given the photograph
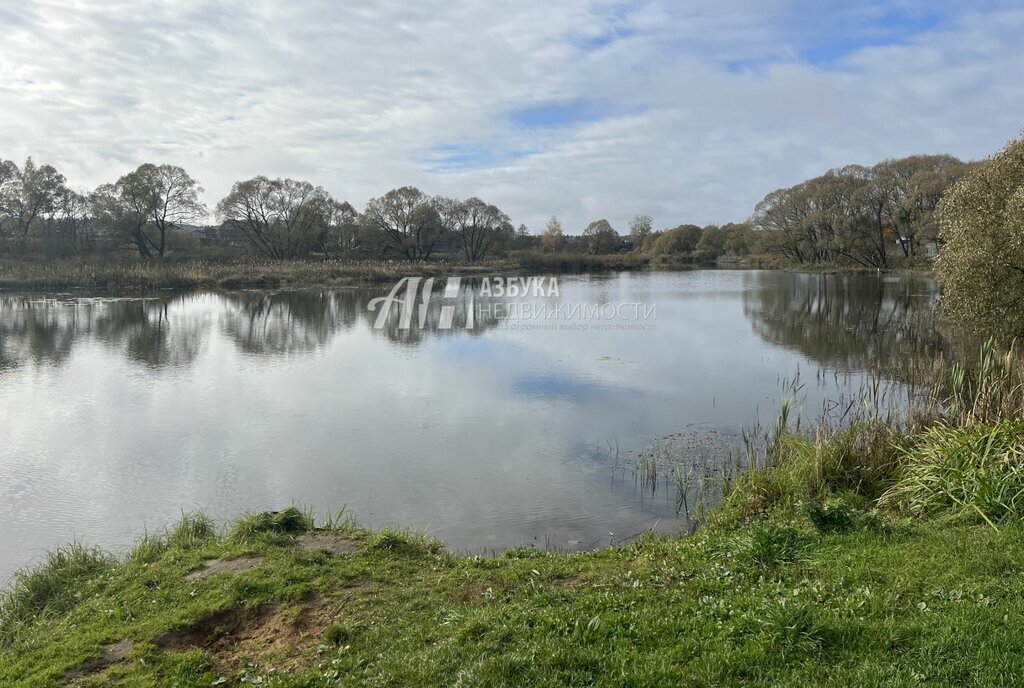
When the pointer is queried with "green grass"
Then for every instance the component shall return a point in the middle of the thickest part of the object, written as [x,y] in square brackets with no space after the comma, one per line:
[783,601]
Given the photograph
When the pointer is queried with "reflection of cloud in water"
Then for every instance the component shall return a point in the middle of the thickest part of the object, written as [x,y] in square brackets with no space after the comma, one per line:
[565,387]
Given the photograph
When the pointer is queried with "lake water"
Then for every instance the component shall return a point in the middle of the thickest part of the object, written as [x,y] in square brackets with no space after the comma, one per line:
[516,427]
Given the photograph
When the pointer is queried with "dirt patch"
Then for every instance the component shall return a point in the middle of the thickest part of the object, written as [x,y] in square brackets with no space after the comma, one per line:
[332,544]
[109,655]
[218,566]
[263,633]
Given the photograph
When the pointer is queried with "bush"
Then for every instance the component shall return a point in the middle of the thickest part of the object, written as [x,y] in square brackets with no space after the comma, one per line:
[982,261]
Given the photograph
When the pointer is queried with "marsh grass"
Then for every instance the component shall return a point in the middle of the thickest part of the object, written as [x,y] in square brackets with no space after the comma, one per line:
[51,587]
[950,444]
[129,275]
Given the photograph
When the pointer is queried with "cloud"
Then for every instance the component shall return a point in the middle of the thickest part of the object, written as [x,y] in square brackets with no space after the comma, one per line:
[585,108]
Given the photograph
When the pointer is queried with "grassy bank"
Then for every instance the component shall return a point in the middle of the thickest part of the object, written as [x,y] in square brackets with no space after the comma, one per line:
[886,551]
[128,275]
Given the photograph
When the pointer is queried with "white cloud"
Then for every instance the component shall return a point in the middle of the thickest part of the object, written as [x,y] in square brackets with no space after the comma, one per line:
[706,110]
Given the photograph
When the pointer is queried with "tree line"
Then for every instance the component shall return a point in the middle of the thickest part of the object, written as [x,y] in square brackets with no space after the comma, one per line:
[853,215]
[858,215]
[146,209]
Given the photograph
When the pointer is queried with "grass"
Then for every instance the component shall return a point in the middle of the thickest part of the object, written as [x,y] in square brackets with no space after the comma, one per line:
[784,601]
[886,550]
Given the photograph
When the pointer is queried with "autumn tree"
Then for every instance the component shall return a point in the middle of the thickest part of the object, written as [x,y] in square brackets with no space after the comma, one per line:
[711,245]
[981,222]
[640,227]
[600,237]
[553,239]
[681,240]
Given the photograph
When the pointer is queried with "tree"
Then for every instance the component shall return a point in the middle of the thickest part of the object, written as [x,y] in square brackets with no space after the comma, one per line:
[639,229]
[71,221]
[739,239]
[10,190]
[681,240]
[601,237]
[913,188]
[711,245]
[981,222]
[145,204]
[408,221]
[281,218]
[29,196]
[479,226]
[553,239]
[342,233]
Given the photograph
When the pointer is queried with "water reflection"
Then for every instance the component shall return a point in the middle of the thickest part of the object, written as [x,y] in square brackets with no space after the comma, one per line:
[170,330]
[115,414]
[847,322]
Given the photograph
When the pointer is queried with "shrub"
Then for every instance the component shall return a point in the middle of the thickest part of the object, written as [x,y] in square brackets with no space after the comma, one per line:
[976,470]
[982,260]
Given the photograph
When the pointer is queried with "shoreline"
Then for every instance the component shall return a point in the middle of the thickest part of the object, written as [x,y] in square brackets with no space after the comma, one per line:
[135,277]
[797,578]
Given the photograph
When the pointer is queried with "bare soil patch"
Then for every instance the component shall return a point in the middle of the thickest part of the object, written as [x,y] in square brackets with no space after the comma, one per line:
[218,566]
[109,655]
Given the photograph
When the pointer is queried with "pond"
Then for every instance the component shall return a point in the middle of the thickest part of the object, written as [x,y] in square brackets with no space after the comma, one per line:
[496,414]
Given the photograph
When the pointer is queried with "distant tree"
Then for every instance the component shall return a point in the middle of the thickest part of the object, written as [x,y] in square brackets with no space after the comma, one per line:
[981,222]
[281,218]
[145,204]
[408,221]
[29,196]
[601,237]
[71,221]
[912,188]
[553,239]
[10,191]
[640,228]
[739,239]
[341,234]
[680,241]
[711,245]
[479,226]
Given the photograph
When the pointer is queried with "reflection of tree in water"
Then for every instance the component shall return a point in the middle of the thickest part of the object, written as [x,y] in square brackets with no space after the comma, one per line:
[171,331]
[45,331]
[35,331]
[444,316]
[287,322]
[847,322]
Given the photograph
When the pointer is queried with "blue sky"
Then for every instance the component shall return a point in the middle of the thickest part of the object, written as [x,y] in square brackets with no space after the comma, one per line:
[687,111]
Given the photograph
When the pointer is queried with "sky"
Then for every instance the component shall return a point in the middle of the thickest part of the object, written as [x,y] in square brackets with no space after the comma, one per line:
[686,111]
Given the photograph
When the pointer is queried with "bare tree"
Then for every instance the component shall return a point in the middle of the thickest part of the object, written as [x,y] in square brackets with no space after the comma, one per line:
[479,226]
[281,218]
[408,221]
[145,204]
